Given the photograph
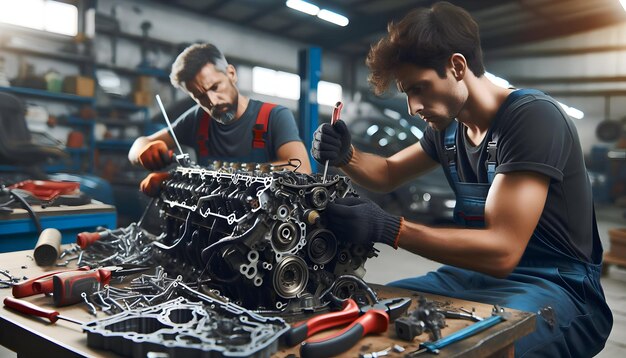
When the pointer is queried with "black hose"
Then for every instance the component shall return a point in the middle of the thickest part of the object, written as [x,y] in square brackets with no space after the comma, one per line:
[29,209]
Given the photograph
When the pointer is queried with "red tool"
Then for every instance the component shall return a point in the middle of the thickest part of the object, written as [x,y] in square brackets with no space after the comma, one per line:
[85,239]
[333,120]
[66,286]
[27,288]
[34,310]
[365,320]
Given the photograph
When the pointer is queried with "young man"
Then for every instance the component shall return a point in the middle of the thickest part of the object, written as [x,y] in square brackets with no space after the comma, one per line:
[527,238]
[224,125]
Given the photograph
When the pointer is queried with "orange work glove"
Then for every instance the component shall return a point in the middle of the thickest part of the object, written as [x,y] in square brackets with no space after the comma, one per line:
[151,185]
[155,155]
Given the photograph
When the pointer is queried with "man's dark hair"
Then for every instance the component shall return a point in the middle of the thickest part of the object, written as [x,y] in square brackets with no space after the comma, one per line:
[192,60]
[426,38]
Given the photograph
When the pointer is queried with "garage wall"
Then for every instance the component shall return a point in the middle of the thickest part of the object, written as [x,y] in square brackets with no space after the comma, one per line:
[593,62]
[584,77]
[237,43]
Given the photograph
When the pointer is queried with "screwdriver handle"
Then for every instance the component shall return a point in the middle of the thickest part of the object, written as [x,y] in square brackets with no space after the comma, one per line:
[85,239]
[461,334]
[31,309]
[68,286]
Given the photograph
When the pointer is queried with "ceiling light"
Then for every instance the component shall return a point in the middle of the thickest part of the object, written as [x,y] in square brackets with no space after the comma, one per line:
[573,112]
[303,6]
[623,2]
[333,17]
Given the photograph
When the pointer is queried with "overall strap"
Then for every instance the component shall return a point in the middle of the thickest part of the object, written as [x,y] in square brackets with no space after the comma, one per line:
[449,142]
[260,127]
[202,136]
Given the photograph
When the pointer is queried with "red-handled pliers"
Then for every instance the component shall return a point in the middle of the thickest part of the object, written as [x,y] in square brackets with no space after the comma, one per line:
[365,320]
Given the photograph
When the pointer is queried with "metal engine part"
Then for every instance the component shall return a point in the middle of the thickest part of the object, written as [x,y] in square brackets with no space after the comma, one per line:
[258,237]
[184,328]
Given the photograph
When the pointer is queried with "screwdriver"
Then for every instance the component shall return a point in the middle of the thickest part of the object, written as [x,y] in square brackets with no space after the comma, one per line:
[34,310]
[333,119]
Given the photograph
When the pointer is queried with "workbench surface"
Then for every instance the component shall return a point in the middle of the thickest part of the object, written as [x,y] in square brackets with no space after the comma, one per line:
[34,336]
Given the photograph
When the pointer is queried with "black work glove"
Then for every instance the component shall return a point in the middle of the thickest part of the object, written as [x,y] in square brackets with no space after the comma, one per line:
[362,221]
[332,142]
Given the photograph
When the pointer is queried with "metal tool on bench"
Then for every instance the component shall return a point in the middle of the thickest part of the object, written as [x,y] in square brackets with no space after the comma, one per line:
[34,310]
[67,286]
[334,118]
[364,320]
[498,316]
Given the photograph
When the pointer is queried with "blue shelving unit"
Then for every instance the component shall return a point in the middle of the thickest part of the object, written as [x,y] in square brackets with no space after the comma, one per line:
[43,94]
[76,154]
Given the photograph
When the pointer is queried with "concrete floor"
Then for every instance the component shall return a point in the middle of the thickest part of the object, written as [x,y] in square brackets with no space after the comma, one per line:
[392,265]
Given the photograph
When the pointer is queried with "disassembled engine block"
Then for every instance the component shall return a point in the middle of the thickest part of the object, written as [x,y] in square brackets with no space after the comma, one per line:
[258,236]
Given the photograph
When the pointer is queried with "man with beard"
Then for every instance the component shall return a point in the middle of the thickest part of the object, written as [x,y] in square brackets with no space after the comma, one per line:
[526,234]
[224,125]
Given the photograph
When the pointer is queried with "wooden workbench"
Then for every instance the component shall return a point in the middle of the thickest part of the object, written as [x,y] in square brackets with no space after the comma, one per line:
[36,337]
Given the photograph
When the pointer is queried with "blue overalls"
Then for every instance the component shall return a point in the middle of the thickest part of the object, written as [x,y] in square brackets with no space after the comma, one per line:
[578,320]
[258,154]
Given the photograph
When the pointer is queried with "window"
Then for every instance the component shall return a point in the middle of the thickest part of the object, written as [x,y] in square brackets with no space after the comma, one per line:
[45,15]
[287,85]
[275,83]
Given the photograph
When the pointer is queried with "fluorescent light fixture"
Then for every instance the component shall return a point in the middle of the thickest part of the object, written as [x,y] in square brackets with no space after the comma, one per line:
[314,10]
[391,113]
[623,2]
[305,7]
[333,17]
[573,112]
[417,132]
[372,130]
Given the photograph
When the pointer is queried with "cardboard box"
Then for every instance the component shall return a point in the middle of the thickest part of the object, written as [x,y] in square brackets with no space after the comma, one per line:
[144,84]
[142,98]
[79,85]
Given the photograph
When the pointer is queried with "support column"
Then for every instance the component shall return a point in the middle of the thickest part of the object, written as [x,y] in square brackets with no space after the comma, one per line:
[309,69]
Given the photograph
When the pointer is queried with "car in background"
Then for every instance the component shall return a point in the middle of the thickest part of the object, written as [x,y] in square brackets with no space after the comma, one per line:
[427,199]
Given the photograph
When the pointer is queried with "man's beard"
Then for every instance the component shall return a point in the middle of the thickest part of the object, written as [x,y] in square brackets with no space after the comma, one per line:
[224,117]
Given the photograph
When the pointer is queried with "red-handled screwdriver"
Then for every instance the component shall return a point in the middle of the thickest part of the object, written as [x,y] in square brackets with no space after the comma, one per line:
[34,310]
[333,119]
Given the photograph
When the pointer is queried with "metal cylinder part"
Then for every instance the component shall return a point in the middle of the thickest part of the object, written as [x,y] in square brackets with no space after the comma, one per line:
[48,247]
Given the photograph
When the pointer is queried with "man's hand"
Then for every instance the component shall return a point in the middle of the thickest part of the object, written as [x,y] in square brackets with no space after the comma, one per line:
[332,143]
[360,220]
[155,155]
[151,185]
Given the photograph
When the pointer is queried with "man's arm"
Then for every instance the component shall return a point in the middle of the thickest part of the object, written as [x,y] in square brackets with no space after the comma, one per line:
[294,150]
[385,174]
[140,143]
[513,208]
